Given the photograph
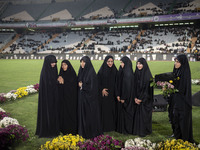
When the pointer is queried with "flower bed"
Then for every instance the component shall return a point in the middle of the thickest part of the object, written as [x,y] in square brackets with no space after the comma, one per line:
[139,144]
[104,142]
[10,131]
[176,144]
[63,142]
[19,93]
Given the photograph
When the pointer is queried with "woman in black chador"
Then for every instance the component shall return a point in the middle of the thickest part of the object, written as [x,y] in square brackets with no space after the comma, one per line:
[142,125]
[106,81]
[125,93]
[182,100]
[88,106]
[47,120]
[67,98]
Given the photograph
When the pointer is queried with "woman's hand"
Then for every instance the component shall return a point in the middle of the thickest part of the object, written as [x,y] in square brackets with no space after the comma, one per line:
[104,92]
[80,84]
[138,101]
[118,98]
[122,101]
[60,80]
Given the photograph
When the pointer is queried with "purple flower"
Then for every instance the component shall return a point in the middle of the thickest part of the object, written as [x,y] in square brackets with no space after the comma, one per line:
[3,114]
[2,98]
[36,87]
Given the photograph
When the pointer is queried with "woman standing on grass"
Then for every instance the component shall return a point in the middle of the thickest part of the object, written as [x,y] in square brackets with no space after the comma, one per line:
[142,124]
[106,81]
[125,93]
[88,106]
[182,100]
[67,98]
[47,119]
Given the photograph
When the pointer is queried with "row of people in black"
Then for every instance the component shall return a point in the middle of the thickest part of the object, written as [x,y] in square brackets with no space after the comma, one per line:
[90,104]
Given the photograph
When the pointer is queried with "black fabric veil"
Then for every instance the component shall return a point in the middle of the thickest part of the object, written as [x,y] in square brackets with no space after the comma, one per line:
[143,111]
[88,106]
[47,123]
[107,79]
[183,101]
[68,100]
[125,90]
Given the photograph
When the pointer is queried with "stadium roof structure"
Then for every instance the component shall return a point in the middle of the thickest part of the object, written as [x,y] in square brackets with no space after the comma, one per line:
[21,16]
[147,8]
[62,15]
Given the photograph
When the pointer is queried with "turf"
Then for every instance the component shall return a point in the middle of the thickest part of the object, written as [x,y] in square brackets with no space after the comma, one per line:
[18,73]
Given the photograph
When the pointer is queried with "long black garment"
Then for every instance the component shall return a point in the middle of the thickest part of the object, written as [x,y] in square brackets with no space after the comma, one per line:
[183,101]
[106,80]
[125,90]
[68,100]
[47,119]
[142,125]
[88,106]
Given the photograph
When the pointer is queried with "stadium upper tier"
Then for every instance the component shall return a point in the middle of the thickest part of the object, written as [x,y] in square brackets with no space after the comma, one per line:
[156,40]
[92,9]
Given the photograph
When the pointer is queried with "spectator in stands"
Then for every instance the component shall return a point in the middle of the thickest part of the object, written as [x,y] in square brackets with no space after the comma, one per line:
[89,125]
[124,92]
[142,122]
[67,98]
[183,99]
[106,81]
[47,119]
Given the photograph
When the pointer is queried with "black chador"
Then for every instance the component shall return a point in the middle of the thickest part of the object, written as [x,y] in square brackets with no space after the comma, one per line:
[142,124]
[125,93]
[183,100]
[68,99]
[106,81]
[47,119]
[88,106]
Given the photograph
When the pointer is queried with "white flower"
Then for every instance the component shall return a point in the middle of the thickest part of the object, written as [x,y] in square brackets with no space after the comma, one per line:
[30,86]
[8,121]
[31,90]
[10,96]
[154,145]
[1,110]
[148,141]
[129,143]
[199,146]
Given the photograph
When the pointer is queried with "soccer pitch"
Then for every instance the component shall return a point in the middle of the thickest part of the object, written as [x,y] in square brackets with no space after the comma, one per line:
[19,73]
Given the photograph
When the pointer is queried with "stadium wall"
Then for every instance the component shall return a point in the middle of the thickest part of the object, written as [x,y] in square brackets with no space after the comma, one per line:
[132,56]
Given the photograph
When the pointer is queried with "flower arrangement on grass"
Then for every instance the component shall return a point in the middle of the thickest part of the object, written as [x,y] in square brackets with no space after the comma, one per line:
[19,93]
[176,144]
[10,131]
[102,142]
[139,144]
[6,121]
[68,141]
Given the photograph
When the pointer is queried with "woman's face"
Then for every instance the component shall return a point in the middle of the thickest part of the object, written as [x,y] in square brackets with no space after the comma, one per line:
[139,65]
[64,66]
[53,65]
[121,64]
[82,64]
[110,62]
[177,64]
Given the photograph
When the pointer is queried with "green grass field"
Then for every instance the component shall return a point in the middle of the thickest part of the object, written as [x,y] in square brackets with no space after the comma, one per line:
[18,73]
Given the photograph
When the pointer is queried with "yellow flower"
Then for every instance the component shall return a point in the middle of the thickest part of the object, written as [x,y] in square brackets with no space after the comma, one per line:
[178,78]
[170,81]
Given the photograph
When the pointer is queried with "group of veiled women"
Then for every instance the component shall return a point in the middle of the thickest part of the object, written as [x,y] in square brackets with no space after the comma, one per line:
[112,100]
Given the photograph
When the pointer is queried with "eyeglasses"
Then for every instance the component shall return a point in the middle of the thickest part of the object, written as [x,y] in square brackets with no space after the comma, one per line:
[109,61]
